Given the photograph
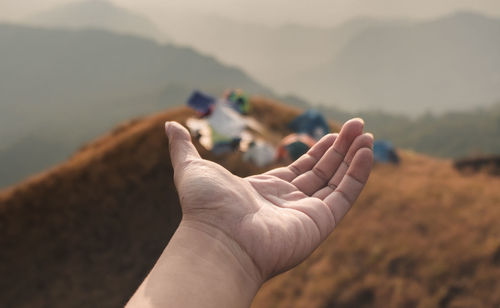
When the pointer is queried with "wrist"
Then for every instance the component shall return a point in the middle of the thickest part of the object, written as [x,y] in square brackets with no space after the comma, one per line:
[201,267]
[218,248]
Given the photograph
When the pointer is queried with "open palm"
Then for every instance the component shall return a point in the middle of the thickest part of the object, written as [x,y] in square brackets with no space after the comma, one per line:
[278,218]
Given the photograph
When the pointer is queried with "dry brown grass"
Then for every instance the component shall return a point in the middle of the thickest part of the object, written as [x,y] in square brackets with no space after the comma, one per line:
[85,233]
[421,235]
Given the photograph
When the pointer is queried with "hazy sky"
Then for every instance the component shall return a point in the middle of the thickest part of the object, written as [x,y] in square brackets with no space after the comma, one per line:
[311,12]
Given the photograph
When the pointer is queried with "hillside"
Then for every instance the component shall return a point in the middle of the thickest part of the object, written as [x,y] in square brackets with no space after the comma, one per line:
[420,235]
[85,233]
[61,87]
[97,14]
[452,134]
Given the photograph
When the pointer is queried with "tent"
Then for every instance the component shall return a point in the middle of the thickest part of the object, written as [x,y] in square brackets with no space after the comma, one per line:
[260,153]
[310,122]
[384,152]
[225,122]
[293,146]
[201,102]
[238,100]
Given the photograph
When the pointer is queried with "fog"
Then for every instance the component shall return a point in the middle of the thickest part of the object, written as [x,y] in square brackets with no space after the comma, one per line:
[271,12]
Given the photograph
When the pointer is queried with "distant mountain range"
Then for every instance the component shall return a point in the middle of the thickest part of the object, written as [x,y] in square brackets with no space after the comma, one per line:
[410,67]
[98,14]
[401,66]
[451,63]
[275,55]
[60,88]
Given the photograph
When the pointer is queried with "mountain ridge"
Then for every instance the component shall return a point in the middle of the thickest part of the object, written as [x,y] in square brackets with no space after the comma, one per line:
[86,232]
[76,233]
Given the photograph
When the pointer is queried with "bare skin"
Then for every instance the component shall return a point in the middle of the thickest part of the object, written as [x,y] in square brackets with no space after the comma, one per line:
[236,232]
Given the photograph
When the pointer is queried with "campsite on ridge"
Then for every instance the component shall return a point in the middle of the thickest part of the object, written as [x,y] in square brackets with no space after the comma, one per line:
[415,246]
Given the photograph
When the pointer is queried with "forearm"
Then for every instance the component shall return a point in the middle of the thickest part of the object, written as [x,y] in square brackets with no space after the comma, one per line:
[198,268]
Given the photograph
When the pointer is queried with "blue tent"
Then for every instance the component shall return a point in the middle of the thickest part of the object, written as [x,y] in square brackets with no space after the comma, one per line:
[201,102]
[311,122]
[384,152]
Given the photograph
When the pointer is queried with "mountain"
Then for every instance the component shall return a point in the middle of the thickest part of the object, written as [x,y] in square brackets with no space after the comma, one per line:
[66,242]
[98,14]
[273,55]
[446,64]
[409,67]
[85,233]
[63,87]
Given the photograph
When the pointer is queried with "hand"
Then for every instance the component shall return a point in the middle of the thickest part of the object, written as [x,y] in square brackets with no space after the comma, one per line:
[278,218]
[237,232]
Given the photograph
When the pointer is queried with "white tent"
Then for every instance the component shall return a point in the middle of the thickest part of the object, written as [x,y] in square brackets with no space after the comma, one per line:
[225,121]
[260,153]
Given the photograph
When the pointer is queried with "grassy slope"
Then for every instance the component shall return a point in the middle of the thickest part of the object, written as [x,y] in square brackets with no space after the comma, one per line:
[421,235]
[86,232]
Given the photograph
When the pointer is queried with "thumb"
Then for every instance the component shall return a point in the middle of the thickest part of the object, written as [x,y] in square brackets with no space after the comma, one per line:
[182,150]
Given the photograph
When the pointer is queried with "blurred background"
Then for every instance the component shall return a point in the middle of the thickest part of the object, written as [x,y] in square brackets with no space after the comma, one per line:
[86,197]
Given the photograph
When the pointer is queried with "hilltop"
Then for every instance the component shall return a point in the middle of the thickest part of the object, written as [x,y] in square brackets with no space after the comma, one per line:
[86,232]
